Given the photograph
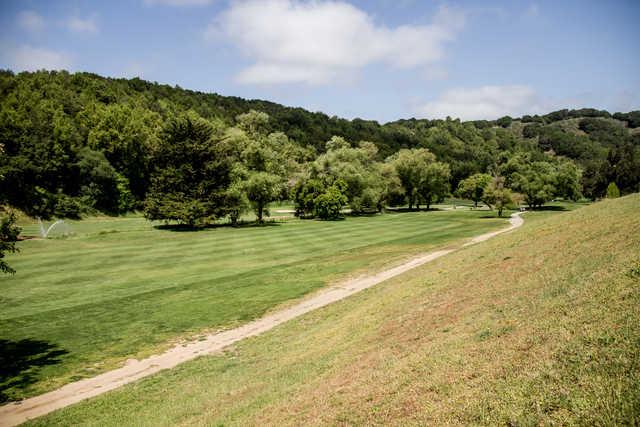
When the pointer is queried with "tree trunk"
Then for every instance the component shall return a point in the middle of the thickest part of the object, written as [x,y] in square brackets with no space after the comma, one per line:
[260,214]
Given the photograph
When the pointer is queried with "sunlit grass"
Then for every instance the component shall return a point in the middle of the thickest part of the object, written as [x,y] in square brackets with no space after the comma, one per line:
[535,327]
[118,288]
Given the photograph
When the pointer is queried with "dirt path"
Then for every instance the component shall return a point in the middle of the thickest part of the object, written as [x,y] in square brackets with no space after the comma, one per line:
[19,412]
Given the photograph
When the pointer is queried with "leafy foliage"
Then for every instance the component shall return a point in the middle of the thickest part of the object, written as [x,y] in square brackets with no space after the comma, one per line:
[329,204]
[473,188]
[613,191]
[262,188]
[191,176]
[539,181]
[8,236]
[498,196]
[81,143]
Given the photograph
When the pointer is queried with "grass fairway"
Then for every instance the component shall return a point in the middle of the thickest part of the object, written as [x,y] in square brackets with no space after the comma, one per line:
[119,289]
[539,326]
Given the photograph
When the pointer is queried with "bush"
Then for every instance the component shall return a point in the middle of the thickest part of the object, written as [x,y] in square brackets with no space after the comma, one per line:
[305,194]
[68,207]
[329,204]
[8,236]
[613,191]
[504,122]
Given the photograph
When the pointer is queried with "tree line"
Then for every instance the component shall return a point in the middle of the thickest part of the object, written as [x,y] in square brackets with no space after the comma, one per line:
[75,144]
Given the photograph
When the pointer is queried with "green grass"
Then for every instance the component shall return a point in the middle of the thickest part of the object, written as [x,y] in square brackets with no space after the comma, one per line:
[116,288]
[535,327]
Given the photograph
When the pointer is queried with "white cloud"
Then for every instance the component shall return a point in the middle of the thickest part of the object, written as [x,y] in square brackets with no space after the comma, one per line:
[178,2]
[486,102]
[315,42]
[28,58]
[31,21]
[134,69]
[79,25]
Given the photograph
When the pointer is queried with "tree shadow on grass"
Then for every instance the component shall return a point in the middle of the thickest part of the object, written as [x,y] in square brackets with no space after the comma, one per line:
[20,362]
[549,208]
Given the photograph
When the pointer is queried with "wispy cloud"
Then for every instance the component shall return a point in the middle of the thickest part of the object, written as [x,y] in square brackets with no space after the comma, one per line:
[179,3]
[30,21]
[80,25]
[486,102]
[291,41]
[134,69]
[29,58]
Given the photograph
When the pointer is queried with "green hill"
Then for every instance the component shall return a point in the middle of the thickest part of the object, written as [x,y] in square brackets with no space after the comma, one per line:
[537,326]
[80,142]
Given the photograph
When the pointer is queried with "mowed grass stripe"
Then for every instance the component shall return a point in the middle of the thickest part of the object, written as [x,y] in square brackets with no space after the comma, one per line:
[285,250]
[167,253]
[107,297]
[250,239]
[535,327]
[224,235]
[196,273]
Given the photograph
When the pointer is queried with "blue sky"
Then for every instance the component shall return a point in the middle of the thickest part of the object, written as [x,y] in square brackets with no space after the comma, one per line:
[377,59]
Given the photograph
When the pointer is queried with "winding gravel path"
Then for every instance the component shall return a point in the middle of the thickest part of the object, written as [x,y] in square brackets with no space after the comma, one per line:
[18,412]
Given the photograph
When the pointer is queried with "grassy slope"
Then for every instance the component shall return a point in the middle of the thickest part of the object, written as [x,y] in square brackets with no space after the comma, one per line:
[119,289]
[537,326]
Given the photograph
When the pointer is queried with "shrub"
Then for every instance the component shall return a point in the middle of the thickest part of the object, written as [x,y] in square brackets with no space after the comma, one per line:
[8,236]
[613,191]
[68,207]
[329,204]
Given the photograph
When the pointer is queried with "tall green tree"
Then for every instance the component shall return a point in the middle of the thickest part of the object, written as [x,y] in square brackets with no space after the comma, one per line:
[357,168]
[473,188]
[498,196]
[624,166]
[434,182]
[410,166]
[236,202]
[126,135]
[192,173]
[99,181]
[305,192]
[594,179]
[539,181]
[568,180]
[262,188]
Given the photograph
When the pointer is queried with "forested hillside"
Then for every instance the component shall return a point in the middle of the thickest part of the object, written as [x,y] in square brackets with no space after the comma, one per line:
[80,143]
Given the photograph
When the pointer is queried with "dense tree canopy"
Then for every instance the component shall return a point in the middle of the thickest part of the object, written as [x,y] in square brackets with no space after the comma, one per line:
[192,173]
[539,181]
[473,188]
[80,143]
[497,195]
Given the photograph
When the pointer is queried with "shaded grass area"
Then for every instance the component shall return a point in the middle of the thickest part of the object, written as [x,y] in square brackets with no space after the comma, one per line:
[539,326]
[119,288]
[21,360]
